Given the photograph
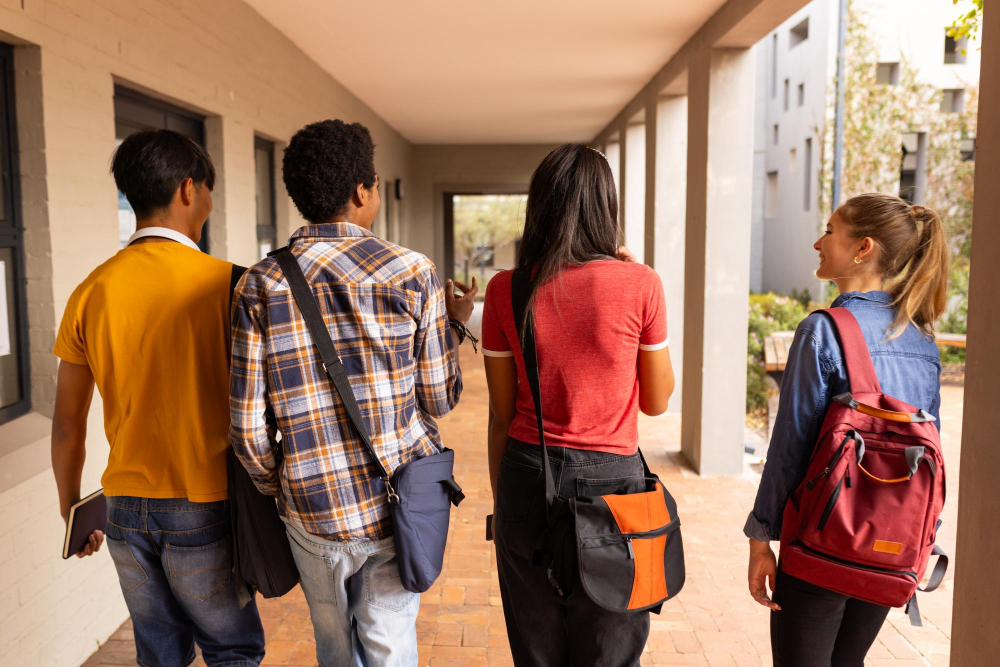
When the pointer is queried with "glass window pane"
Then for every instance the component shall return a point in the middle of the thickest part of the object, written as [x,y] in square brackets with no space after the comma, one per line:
[262,160]
[126,216]
[10,360]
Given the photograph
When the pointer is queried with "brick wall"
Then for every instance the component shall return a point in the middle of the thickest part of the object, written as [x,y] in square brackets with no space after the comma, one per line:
[219,58]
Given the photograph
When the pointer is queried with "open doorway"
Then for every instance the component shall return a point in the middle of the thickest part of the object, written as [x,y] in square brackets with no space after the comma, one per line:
[482,234]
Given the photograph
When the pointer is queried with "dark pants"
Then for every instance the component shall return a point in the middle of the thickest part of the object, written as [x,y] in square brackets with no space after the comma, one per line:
[544,631]
[820,628]
[174,562]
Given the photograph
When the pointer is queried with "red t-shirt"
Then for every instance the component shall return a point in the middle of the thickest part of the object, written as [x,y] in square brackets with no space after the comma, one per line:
[590,323]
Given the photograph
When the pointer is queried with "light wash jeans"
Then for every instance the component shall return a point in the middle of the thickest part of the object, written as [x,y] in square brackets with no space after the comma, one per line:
[361,614]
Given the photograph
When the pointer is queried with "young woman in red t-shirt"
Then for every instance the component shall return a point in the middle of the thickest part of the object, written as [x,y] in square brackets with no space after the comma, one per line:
[601,335]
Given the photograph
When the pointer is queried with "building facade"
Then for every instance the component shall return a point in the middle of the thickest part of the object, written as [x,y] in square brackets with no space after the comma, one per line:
[905,45]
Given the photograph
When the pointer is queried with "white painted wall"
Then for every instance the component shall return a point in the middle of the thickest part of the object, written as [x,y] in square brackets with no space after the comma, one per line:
[786,239]
[219,58]
[913,30]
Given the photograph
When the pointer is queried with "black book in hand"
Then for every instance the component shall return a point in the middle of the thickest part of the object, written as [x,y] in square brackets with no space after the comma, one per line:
[85,516]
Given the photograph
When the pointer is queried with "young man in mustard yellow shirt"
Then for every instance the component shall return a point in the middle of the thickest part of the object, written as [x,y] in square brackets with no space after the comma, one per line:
[150,327]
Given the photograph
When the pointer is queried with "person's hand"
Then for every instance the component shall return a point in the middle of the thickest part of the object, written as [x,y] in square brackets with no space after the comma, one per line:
[460,307]
[93,544]
[763,567]
[625,255]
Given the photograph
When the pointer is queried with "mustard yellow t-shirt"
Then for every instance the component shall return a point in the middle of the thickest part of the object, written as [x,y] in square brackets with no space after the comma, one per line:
[152,323]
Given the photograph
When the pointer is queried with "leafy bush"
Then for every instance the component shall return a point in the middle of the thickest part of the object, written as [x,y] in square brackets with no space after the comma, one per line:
[768,313]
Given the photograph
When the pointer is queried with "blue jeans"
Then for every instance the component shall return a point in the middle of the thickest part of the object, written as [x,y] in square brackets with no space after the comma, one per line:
[361,614]
[174,560]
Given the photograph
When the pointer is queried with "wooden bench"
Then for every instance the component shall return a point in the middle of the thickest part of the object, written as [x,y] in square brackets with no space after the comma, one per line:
[955,340]
[776,348]
[777,344]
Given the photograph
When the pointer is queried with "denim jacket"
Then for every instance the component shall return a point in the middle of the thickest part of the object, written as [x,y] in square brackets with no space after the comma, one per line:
[908,367]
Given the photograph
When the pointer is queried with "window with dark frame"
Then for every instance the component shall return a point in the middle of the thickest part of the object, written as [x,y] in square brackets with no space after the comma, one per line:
[807,171]
[15,387]
[787,85]
[774,67]
[955,49]
[267,219]
[953,100]
[887,74]
[802,94]
[798,34]
[135,112]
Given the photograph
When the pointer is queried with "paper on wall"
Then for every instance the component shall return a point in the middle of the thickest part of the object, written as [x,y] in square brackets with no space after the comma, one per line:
[4,320]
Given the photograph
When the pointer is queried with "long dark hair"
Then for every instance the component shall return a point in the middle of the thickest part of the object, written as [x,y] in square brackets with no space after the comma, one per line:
[571,216]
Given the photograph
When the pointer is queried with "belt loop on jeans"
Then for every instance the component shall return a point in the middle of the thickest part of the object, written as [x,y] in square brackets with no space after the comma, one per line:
[143,508]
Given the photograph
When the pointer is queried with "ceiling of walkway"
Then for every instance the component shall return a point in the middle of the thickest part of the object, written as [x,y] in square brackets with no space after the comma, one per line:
[480,71]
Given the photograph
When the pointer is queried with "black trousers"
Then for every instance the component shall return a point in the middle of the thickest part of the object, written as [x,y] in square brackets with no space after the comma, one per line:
[819,628]
[543,630]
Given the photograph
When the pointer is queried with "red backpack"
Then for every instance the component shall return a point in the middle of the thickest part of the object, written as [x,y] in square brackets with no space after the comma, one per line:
[864,519]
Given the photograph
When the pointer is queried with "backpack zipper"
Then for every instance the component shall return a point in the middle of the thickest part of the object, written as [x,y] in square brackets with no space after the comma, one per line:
[829,466]
[830,503]
[856,566]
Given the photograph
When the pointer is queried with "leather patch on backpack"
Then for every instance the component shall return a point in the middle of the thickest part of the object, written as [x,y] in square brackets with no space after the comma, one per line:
[884,547]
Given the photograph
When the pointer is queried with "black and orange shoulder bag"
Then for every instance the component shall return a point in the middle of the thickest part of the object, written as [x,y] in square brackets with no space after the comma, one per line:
[624,549]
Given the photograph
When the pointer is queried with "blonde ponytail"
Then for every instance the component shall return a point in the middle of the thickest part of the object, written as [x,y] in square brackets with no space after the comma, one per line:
[912,256]
[921,292]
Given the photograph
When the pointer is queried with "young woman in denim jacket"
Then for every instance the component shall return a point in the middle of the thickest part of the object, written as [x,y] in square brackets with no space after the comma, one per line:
[890,263]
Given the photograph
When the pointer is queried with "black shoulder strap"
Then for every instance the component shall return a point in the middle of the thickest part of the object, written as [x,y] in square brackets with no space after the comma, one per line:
[520,289]
[332,364]
[234,278]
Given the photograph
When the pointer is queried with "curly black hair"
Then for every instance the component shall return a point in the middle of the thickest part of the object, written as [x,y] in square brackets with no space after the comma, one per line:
[323,165]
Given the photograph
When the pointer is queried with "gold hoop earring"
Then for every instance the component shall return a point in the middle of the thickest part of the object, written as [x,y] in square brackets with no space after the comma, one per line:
[857,260]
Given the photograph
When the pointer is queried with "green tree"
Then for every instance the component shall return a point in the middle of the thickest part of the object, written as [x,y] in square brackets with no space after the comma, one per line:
[483,222]
[968,24]
[876,115]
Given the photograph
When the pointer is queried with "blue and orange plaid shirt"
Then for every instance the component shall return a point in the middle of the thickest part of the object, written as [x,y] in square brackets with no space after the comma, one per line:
[384,306]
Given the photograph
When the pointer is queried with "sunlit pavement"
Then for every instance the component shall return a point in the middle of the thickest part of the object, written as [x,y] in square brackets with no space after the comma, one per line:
[712,622]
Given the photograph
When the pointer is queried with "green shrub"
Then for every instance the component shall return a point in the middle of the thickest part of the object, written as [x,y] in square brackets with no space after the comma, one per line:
[768,313]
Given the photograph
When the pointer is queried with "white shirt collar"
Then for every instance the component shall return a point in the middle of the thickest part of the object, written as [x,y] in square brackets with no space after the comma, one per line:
[166,233]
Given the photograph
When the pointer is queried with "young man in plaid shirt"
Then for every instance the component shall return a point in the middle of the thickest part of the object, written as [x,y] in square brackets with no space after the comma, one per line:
[389,317]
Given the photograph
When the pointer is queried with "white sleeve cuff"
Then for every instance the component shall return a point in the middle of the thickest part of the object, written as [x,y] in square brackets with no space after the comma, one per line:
[494,353]
[653,348]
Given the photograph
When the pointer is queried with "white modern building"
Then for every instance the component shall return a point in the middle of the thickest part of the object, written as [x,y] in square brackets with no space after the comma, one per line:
[796,119]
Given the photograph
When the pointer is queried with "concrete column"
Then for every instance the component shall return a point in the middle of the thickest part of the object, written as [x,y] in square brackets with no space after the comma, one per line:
[233,223]
[665,227]
[976,616]
[622,176]
[612,151]
[635,206]
[717,268]
[649,203]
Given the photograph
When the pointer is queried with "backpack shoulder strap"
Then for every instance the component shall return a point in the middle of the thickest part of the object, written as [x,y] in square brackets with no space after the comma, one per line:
[860,369]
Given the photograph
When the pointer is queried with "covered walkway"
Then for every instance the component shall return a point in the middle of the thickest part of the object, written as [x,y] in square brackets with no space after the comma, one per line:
[713,621]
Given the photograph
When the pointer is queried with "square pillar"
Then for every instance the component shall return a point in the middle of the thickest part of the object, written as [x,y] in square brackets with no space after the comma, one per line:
[666,195]
[976,616]
[717,258]
[233,222]
[635,206]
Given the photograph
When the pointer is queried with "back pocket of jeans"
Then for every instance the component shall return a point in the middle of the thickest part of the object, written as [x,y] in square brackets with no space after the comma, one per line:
[200,572]
[517,486]
[130,573]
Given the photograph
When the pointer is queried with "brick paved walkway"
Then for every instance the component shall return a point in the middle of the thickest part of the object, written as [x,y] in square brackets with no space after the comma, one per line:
[712,622]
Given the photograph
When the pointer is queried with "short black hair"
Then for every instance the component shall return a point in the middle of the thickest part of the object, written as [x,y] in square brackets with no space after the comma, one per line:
[150,165]
[323,165]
